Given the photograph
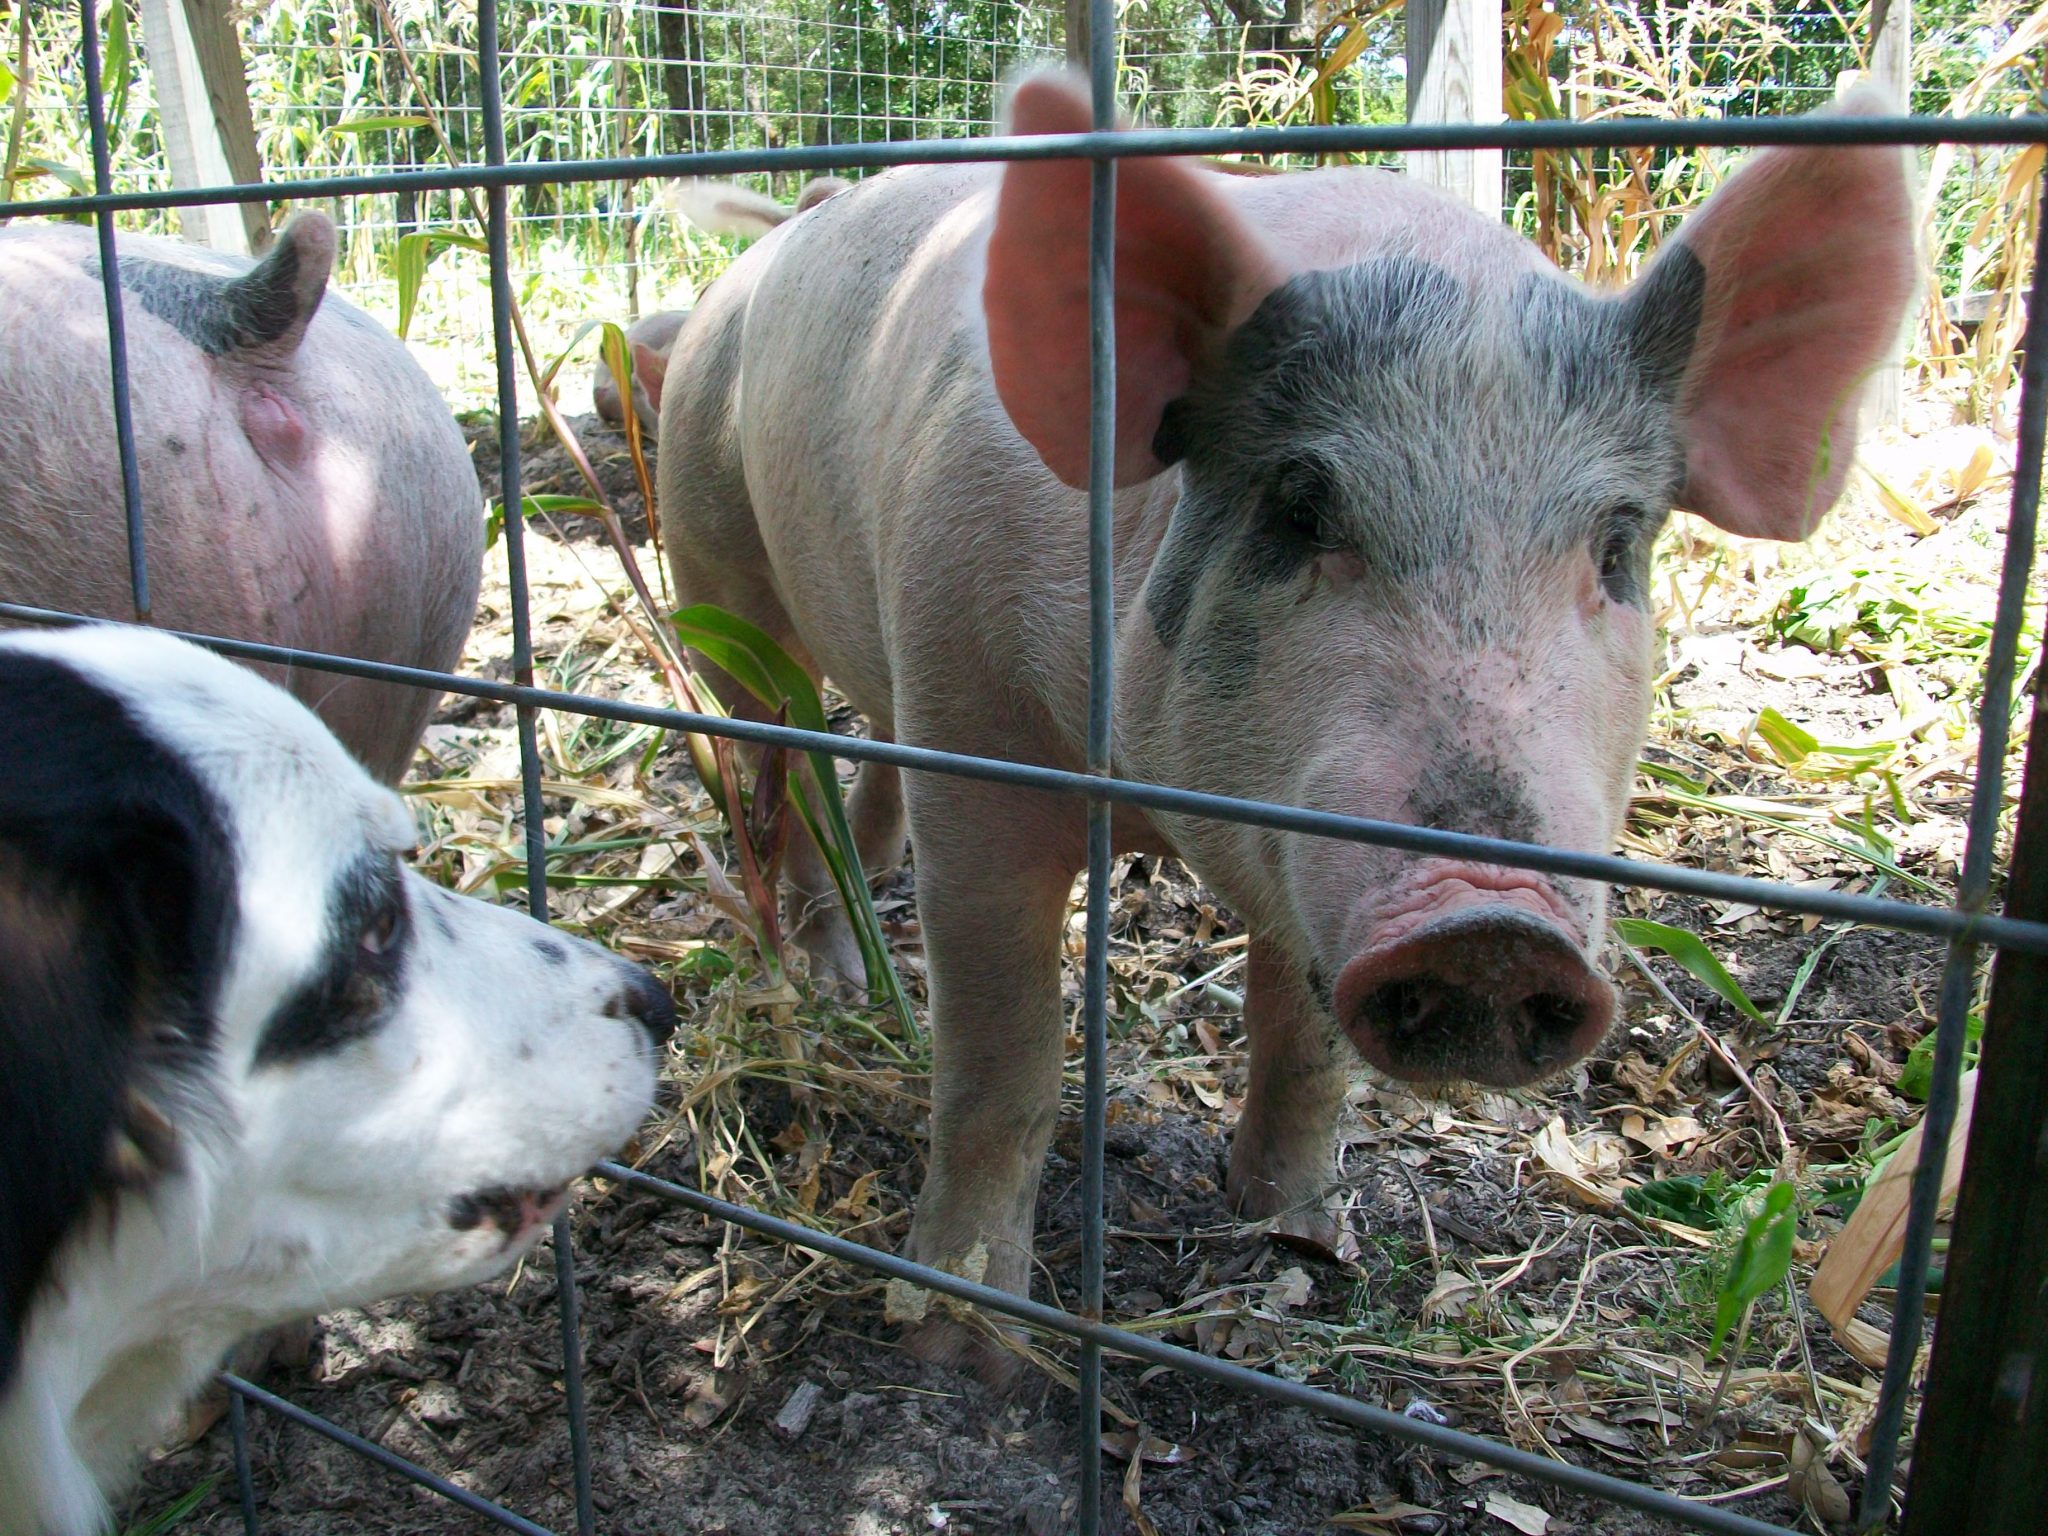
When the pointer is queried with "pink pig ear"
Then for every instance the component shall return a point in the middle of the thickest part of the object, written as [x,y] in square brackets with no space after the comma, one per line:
[1809,261]
[1187,271]
[650,368]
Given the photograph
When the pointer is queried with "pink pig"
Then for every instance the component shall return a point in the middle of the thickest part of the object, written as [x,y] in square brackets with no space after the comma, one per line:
[1388,485]
[303,484]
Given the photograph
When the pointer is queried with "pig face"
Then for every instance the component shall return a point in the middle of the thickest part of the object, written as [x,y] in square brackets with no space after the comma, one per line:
[1427,516]
[1404,573]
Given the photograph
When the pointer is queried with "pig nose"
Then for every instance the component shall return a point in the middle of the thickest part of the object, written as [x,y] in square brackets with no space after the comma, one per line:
[1489,994]
[643,998]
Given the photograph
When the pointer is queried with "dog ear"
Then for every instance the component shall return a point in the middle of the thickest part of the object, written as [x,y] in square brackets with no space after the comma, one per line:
[116,882]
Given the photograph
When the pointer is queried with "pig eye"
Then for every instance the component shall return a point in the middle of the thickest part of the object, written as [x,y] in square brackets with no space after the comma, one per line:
[1620,559]
[1302,499]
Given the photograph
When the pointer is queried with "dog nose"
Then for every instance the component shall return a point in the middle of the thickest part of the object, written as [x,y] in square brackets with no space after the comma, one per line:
[647,1000]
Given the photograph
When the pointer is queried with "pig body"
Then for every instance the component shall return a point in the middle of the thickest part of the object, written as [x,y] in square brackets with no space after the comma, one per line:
[1387,489]
[303,484]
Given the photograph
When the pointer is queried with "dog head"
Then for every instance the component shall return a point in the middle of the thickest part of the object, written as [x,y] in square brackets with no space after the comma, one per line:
[251,1067]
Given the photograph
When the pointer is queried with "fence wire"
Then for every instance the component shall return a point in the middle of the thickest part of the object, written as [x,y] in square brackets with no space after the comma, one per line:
[1966,924]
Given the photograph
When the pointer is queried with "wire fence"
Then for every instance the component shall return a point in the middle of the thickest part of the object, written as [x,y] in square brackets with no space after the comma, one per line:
[1966,925]
[340,87]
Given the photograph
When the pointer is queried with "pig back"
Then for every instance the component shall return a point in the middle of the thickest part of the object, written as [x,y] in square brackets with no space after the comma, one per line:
[307,488]
[831,428]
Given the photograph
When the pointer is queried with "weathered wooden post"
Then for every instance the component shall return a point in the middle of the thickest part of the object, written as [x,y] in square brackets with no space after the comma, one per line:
[1891,65]
[202,95]
[1454,64]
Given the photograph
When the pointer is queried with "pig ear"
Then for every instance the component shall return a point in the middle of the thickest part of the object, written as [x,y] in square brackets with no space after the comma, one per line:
[650,368]
[266,310]
[1799,270]
[1187,270]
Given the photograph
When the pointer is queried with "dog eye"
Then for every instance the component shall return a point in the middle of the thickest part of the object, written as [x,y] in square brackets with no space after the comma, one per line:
[383,930]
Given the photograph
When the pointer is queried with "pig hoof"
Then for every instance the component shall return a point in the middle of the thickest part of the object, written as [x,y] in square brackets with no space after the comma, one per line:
[836,965]
[961,1347]
[1303,1223]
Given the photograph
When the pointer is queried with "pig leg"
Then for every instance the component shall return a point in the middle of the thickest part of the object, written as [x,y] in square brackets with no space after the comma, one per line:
[874,813]
[1280,1157]
[995,867]
[875,810]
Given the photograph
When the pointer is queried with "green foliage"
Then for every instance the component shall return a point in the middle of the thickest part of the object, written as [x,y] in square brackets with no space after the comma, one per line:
[534,506]
[1692,954]
[1709,1201]
[173,1514]
[1761,1260]
[1916,1076]
[766,671]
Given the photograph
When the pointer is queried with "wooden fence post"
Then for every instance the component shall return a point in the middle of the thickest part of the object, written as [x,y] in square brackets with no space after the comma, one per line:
[202,95]
[1077,33]
[1891,65]
[1980,1462]
[1454,72]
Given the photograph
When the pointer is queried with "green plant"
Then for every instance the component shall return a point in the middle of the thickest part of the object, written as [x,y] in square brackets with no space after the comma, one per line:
[172,1514]
[1761,1259]
[1916,1075]
[767,672]
[1692,954]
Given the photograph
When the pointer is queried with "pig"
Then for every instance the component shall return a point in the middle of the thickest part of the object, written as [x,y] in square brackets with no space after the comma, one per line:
[1386,489]
[303,484]
[647,342]
[723,208]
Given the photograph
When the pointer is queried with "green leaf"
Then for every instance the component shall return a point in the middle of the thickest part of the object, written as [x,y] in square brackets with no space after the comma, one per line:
[1761,1259]
[1790,744]
[1685,1199]
[706,964]
[1692,955]
[1916,1077]
[117,68]
[409,265]
[767,671]
[39,166]
[533,506]
[390,122]
[173,1513]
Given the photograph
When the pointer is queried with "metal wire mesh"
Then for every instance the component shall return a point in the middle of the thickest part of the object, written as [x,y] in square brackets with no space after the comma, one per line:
[1967,924]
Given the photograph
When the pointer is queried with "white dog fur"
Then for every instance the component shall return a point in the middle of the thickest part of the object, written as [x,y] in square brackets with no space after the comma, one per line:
[254,1069]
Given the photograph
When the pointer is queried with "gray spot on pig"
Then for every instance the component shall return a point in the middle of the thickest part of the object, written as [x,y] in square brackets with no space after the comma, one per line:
[1477,796]
[1439,439]
[1662,318]
[1318,339]
[216,312]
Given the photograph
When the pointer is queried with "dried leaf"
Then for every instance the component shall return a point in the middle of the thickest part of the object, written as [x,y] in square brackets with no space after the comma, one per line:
[1587,1427]
[1452,1296]
[1587,1165]
[1809,1480]
[1290,1288]
[1662,1133]
[1526,1518]
[905,1302]
[1974,473]
[1875,1236]
[1381,1519]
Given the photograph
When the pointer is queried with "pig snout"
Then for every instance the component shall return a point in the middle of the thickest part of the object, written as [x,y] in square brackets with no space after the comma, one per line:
[1485,990]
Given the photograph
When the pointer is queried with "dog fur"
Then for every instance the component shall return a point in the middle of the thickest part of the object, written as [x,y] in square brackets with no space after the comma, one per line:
[251,1067]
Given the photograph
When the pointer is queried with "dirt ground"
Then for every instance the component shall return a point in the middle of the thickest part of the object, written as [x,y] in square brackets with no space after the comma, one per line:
[1501,1283]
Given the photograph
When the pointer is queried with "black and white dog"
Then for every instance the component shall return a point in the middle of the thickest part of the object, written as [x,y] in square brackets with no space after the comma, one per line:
[251,1067]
